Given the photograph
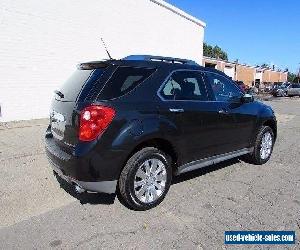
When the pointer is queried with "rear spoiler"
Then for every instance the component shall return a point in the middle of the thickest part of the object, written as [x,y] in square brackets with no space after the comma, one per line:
[94,65]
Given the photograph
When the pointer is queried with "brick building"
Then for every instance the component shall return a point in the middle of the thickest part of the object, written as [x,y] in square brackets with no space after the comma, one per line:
[245,73]
[248,74]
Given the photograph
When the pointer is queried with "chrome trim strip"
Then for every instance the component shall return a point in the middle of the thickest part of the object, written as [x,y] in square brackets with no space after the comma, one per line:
[212,160]
[57,116]
[176,110]
[108,187]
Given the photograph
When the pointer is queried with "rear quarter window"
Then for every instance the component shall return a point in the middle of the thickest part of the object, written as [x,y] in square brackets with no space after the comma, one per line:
[123,80]
[73,85]
[80,78]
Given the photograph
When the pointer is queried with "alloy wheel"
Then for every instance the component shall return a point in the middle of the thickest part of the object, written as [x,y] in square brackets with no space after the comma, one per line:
[266,145]
[150,180]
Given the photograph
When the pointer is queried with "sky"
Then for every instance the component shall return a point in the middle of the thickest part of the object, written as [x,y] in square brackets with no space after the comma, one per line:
[254,32]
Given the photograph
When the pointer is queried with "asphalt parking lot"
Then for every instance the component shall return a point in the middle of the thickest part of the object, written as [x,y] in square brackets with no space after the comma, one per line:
[37,214]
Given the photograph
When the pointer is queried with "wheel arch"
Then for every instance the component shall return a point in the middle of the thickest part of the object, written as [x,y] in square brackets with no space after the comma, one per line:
[272,124]
[159,143]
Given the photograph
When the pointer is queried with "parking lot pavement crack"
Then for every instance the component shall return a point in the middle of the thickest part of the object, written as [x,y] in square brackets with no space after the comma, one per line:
[115,235]
[186,222]
[23,124]
[14,157]
[245,214]
[241,182]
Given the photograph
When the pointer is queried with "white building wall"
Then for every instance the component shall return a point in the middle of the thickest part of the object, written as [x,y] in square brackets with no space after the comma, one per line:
[42,41]
[230,71]
[259,75]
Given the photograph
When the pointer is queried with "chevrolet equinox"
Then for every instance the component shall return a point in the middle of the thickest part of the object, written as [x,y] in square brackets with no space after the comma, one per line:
[129,125]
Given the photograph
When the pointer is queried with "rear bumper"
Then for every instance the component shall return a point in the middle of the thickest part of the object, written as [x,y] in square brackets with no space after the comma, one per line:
[97,169]
[108,187]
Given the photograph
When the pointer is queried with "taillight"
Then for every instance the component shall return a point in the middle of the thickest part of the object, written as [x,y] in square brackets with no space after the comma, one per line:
[93,121]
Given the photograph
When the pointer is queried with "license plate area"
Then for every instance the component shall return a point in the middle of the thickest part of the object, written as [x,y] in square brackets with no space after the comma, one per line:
[58,125]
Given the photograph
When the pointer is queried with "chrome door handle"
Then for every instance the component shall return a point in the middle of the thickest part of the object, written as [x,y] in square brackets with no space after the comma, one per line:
[176,110]
[223,111]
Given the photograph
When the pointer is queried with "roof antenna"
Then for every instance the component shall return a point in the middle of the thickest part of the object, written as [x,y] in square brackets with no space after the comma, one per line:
[106,49]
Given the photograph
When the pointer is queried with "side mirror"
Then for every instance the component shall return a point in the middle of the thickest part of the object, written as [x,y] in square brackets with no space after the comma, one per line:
[246,98]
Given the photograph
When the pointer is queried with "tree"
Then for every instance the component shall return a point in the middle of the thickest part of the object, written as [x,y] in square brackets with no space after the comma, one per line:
[265,65]
[292,77]
[215,52]
[207,50]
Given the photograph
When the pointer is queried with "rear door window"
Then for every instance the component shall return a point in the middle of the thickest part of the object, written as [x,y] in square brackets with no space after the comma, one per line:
[123,80]
[185,85]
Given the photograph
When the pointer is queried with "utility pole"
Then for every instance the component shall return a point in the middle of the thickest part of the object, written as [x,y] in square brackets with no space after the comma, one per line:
[299,74]
[236,62]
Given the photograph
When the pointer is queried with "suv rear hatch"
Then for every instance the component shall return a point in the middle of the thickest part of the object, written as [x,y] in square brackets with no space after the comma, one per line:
[91,82]
[64,113]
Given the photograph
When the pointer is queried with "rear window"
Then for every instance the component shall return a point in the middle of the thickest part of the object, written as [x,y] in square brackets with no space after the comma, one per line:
[123,80]
[73,86]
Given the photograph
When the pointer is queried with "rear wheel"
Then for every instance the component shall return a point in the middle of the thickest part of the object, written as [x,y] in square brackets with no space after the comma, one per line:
[146,179]
[263,146]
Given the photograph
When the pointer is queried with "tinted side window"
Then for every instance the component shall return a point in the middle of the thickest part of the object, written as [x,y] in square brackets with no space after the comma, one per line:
[72,87]
[223,88]
[123,80]
[184,85]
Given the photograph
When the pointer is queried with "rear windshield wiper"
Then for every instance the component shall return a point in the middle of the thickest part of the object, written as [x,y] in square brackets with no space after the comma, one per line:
[57,92]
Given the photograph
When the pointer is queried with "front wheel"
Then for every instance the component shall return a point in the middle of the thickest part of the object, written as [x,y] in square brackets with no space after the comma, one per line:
[145,179]
[263,146]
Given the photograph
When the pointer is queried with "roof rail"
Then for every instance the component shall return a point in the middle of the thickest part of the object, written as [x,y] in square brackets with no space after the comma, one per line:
[160,58]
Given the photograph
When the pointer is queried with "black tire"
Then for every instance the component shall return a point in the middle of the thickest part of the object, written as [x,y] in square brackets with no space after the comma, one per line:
[126,181]
[255,156]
